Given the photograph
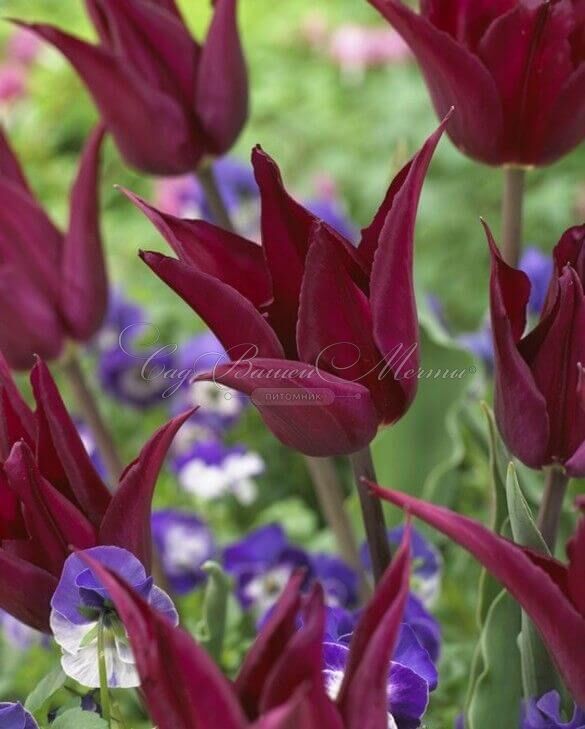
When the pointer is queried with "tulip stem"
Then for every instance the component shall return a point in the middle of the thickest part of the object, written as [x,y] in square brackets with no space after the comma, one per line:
[372,513]
[329,493]
[103,674]
[551,507]
[213,197]
[512,204]
[92,417]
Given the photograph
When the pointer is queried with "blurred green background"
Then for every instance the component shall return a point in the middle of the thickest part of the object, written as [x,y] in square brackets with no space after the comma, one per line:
[359,128]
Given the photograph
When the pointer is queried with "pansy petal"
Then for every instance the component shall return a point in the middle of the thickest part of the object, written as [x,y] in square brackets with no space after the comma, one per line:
[561,626]
[238,325]
[456,78]
[182,686]
[312,411]
[150,128]
[235,261]
[222,82]
[85,283]
[127,521]
[365,682]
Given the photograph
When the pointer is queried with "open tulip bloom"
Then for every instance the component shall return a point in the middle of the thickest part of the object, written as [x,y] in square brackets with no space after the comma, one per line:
[551,593]
[282,682]
[539,396]
[167,100]
[323,335]
[53,286]
[52,498]
[513,69]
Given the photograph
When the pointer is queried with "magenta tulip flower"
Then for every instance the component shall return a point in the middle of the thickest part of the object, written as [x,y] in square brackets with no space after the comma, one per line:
[53,286]
[513,69]
[539,402]
[167,100]
[280,684]
[52,499]
[322,335]
[551,593]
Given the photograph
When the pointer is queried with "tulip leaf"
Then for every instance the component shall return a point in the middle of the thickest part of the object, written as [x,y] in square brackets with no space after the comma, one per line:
[538,672]
[498,690]
[212,627]
[37,701]
[79,719]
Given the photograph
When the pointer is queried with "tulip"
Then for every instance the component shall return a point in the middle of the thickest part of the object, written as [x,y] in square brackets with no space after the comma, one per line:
[51,496]
[551,593]
[53,286]
[321,334]
[281,682]
[167,100]
[513,69]
[538,407]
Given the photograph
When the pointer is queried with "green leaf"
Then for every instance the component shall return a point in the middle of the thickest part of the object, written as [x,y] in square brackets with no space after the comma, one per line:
[79,719]
[40,696]
[538,672]
[211,629]
[498,691]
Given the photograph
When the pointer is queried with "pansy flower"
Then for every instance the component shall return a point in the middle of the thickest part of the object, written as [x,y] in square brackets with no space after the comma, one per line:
[15,716]
[546,713]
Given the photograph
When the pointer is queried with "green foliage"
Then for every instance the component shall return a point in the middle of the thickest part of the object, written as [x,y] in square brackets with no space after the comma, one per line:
[78,719]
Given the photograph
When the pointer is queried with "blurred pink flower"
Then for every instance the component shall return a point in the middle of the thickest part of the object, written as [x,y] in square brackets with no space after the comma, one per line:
[12,83]
[23,47]
[356,47]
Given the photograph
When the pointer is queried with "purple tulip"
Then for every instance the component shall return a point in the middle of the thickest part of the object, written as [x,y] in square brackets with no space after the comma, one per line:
[513,69]
[53,286]
[181,101]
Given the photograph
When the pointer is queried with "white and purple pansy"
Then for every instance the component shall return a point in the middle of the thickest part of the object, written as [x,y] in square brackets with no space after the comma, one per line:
[411,678]
[15,716]
[122,315]
[82,615]
[184,543]
[210,470]
[547,713]
[19,635]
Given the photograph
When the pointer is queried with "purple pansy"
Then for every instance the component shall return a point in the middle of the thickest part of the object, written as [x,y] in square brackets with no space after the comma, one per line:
[263,562]
[19,635]
[91,448]
[15,716]
[210,470]
[219,407]
[412,676]
[80,609]
[184,543]
[546,713]
[480,344]
[539,268]
[122,316]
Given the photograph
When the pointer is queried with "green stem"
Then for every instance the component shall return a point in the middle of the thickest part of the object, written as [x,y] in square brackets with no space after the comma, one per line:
[512,204]
[213,196]
[372,513]
[104,689]
[551,507]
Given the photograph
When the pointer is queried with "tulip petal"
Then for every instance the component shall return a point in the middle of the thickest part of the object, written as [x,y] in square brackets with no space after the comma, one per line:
[236,323]
[335,326]
[456,78]
[286,228]
[394,314]
[235,261]
[19,405]
[222,81]
[126,523]
[26,591]
[561,626]
[365,683]
[567,121]
[467,21]
[29,325]
[182,686]
[61,455]
[261,657]
[312,411]
[12,524]
[10,168]
[537,36]
[301,664]
[517,398]
[24,478]
[85,282]
[150,128]
[576,576]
